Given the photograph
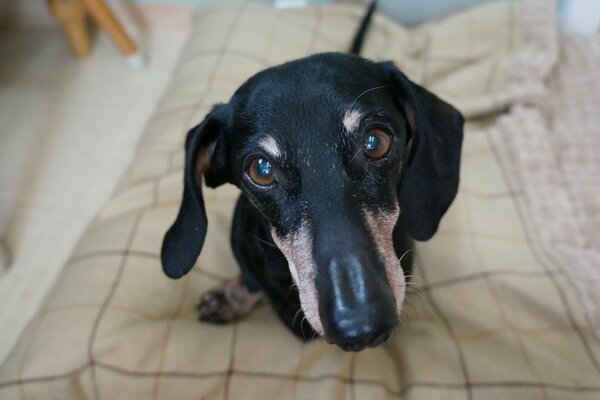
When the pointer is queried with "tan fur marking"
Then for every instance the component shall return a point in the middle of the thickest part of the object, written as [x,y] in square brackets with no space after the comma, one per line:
[240,298]
[351,119]
[203,161]
[297,249]
[381,225]
[269,145]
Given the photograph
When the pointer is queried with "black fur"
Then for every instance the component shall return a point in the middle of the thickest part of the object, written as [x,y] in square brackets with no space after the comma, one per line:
[359,37]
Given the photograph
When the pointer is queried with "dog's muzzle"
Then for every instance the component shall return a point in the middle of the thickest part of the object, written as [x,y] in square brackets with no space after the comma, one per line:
[356,305]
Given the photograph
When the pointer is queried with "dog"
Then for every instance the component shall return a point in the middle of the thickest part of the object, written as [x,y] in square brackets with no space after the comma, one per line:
[342,162]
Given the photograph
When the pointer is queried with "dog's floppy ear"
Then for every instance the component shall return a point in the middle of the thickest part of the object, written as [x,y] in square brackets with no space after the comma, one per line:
[430,175]
[204,155]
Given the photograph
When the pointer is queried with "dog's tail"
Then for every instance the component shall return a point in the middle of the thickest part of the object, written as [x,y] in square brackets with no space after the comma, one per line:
[359,37]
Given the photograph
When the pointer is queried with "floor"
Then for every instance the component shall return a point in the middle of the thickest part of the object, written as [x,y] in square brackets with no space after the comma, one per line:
[68,131]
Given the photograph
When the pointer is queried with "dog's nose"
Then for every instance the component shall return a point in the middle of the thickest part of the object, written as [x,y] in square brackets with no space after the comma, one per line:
[356,305]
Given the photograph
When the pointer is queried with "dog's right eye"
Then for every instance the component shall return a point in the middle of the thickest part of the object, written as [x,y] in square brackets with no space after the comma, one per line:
[261,172]
[376,144]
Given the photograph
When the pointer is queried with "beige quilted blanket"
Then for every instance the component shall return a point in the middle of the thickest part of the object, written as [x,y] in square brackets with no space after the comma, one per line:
[492,314]
[556,157]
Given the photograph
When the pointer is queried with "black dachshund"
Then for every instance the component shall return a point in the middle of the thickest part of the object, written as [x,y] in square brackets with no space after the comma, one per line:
[341,162]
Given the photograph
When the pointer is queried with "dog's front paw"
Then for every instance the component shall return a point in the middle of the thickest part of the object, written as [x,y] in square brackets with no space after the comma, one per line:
[228,303]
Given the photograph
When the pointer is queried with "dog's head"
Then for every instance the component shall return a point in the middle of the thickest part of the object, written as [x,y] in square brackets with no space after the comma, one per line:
[334,151]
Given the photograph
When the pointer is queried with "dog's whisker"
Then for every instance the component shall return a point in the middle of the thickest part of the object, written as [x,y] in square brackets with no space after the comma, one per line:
[302,327]
[355,154]
[296,315]
[264,241]
[419,297]
[315,334]
[417,285]
[402,324]
[409,311]
[365,92]
[411,283]
[415,290]
[413,276]
[402,256]
[408,307]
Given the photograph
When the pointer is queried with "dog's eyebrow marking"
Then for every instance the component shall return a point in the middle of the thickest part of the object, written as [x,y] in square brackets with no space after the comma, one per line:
[352,116]
[351,119]
[269,144]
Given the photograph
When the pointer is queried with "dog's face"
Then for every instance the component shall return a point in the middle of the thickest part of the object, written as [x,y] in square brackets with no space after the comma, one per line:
[334,151]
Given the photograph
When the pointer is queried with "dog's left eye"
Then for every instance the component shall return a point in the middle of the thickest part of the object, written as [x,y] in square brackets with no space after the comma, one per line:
[261,172]
[376,143]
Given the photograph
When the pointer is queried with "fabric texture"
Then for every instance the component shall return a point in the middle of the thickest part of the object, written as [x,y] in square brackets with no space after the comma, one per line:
[556,157]
[490,315]
[69,132]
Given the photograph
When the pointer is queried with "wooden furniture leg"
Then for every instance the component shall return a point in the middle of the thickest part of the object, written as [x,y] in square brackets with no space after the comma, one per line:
[104,17]
[71,14]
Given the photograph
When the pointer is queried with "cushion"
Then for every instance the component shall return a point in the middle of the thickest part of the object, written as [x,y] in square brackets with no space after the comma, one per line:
[488,314]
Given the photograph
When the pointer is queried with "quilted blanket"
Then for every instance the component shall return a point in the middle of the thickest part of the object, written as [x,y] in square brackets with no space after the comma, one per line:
[556,157]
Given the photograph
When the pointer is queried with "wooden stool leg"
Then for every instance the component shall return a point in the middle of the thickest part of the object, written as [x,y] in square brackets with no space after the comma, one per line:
[104,17]
[79,38]
[71,14]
